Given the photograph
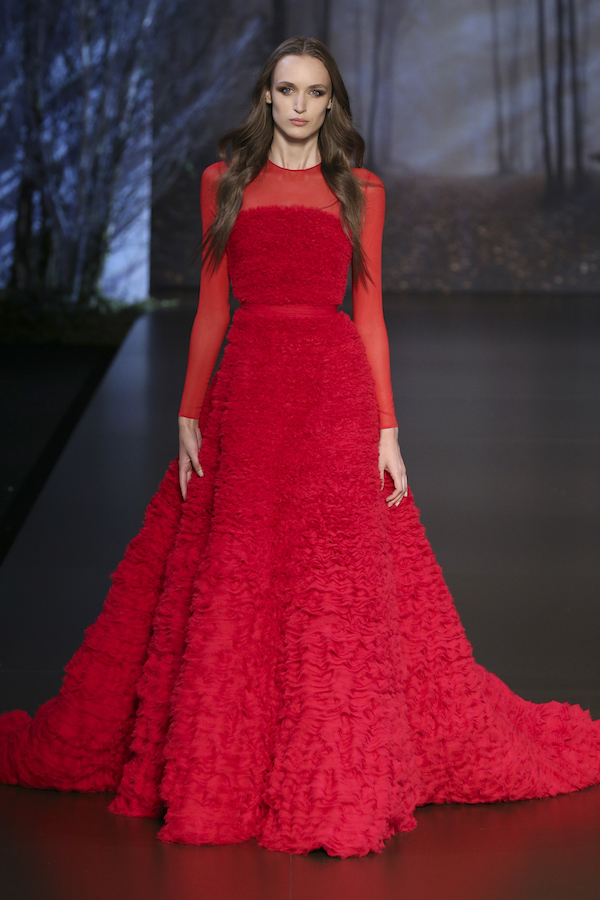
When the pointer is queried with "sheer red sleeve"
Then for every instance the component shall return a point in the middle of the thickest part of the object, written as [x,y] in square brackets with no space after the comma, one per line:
[367,299]
[212,317]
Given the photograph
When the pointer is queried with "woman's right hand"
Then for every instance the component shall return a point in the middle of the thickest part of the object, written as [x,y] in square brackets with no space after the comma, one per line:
[190,440]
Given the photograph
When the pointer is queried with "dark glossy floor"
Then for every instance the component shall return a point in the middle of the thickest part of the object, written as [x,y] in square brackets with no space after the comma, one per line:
[44,388]
[499,409]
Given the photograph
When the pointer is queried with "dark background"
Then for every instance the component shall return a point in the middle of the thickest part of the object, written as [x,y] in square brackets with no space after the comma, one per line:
[482,117]
[483,120]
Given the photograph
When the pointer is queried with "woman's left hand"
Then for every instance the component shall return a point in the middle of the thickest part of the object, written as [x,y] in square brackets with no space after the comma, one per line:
[390,460]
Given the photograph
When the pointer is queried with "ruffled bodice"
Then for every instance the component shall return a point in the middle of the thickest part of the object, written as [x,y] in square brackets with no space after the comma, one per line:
[306,262]
[288,247]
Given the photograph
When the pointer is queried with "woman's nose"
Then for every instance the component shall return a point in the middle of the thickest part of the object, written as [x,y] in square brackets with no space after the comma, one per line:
[300,104]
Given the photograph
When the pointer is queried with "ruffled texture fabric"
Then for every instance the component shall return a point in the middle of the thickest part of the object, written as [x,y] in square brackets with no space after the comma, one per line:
[476,740]
[80,739]
[310,244]
[279,656]
[301,739]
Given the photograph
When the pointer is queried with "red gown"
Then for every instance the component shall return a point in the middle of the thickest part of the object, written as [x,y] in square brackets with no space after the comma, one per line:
[279,656]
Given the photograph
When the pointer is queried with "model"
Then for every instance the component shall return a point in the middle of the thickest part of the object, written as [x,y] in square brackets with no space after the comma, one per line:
[279,656]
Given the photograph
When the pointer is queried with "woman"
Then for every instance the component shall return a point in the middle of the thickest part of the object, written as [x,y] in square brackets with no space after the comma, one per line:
[279,656]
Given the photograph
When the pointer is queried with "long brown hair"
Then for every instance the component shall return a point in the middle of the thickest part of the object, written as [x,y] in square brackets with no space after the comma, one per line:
[339,144]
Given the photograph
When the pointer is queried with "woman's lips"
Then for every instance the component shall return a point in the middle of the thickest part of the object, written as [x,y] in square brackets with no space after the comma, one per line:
[299,121]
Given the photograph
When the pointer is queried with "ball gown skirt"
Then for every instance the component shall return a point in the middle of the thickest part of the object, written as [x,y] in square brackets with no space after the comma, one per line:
[279,656]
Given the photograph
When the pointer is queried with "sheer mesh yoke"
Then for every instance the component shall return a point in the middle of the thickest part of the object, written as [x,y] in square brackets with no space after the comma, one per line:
[279,187]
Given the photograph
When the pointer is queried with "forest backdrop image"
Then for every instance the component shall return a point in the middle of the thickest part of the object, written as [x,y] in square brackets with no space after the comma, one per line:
[481,116]
[483,119]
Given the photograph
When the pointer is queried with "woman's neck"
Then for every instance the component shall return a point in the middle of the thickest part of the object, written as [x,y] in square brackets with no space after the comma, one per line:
[294,156]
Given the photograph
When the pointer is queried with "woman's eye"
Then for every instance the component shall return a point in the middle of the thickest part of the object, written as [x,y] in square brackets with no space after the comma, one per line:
[316,91]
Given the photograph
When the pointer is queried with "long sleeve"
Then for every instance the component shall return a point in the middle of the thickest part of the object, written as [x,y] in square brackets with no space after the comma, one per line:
[212,317]
[368,303]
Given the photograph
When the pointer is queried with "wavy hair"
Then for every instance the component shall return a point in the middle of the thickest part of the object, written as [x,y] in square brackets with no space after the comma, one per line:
[245,150]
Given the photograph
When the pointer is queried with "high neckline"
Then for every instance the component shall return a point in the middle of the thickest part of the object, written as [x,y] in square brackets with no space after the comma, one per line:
[284,169]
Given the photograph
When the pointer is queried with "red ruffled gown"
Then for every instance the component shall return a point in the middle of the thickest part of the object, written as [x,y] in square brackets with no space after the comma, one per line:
[279,656]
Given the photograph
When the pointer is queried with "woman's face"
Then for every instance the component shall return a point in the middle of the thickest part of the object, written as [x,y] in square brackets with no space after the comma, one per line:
[300,96]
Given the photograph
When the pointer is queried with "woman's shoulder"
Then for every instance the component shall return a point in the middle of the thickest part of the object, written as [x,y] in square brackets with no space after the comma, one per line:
[213,172]
[371,178]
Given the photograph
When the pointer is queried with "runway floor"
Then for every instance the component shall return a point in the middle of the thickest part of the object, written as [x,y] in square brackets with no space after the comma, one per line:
[499,410]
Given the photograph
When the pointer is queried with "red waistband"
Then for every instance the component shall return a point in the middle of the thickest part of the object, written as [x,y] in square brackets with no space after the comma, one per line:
[290,309]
